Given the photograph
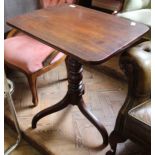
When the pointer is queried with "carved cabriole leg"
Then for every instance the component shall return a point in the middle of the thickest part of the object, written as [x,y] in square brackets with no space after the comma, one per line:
[57,107]
[74,97]
[83,108]
[114,139]
[76,89]
[116,135]
[33,87]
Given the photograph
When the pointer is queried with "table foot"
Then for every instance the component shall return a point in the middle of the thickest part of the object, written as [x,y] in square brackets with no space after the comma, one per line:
[84,109]
[57,107]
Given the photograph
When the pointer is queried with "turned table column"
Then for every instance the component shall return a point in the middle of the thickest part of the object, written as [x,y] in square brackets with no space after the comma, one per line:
[82,34]
[74,97]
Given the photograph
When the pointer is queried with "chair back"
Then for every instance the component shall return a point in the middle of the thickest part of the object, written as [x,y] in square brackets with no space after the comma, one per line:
[50,3]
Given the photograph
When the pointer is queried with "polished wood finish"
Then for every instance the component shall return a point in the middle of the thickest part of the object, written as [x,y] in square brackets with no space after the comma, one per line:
[67,132]
[74,97]
[111,5]
[84,35]
[88,35]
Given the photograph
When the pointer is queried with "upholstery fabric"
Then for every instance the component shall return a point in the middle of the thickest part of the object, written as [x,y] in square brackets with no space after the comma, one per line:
[140,59]
[138,16]
[142,113]
[137,125]
[49,3]
[130,5]
[27,53]
[134,118]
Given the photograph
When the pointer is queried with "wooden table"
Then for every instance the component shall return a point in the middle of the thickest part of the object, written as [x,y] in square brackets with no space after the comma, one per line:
[84,35]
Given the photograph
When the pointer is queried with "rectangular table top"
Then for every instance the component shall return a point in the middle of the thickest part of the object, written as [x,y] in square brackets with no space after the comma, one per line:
[86,34]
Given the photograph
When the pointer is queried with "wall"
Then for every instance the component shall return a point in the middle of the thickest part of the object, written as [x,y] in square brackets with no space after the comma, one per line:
[16,7]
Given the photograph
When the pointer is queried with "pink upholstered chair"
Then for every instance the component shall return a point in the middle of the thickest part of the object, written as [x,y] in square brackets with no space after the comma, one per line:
[31,56]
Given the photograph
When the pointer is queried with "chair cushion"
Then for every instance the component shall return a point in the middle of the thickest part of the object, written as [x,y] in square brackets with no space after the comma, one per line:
[137,125]
[27,53]
[139,57]
[142,113]
[138,16]
[130,5]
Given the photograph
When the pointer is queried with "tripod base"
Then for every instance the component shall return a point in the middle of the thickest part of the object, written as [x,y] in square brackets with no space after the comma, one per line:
[74,97]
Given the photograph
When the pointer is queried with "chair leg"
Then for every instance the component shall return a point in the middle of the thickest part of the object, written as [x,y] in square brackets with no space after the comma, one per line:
[113,143]
[114,139]
[33,86]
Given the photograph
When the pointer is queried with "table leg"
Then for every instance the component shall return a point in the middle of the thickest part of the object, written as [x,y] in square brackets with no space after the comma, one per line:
[57,107]
[84,109]
[74,97]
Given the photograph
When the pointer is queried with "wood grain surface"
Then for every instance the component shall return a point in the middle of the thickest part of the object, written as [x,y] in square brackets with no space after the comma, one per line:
[87,34]
[68,132]
[108,4]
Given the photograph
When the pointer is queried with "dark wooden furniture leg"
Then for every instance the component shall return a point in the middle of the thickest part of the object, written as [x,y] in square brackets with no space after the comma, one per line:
[114,139]
[33,87]
[74,97]
[83,108]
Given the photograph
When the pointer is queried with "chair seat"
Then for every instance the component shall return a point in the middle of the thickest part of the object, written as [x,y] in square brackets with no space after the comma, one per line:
[137,126]
[27,53]
[142,113]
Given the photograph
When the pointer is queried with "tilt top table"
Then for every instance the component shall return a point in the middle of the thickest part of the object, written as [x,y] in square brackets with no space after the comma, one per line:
[85,36]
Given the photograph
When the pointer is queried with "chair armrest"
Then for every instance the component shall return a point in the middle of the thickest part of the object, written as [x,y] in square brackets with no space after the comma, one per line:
[136,64]
[142,113]
[49,58]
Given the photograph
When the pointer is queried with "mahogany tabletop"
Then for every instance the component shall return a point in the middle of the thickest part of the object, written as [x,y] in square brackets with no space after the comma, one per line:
[86,34]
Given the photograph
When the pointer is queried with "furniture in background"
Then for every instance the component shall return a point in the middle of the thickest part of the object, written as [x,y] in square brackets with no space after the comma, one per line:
[8,90]
[85,3]
[134,118]
[13,8]
[111,6]
[134,10]
[30,56]
[92,46]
